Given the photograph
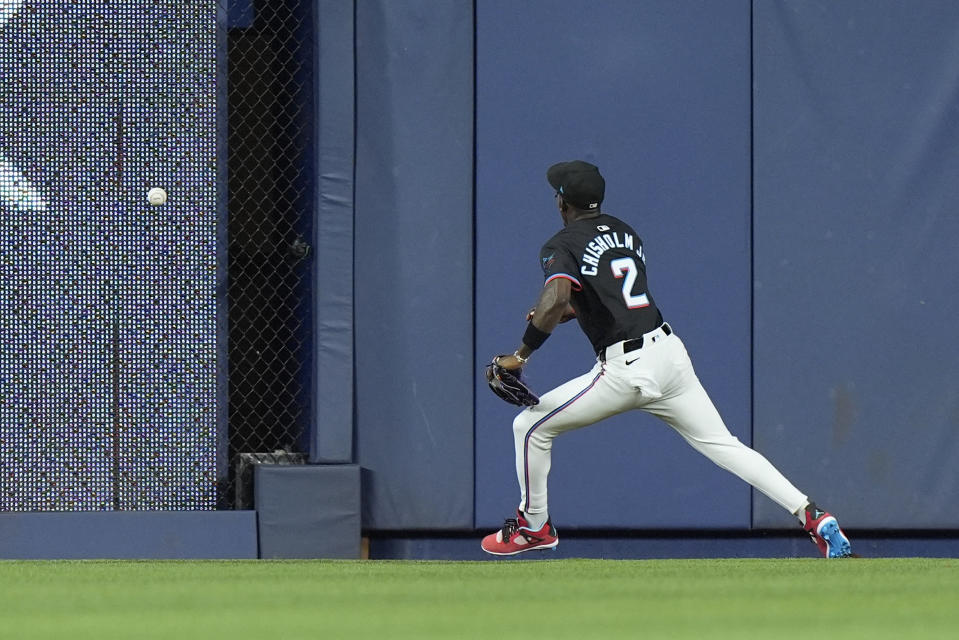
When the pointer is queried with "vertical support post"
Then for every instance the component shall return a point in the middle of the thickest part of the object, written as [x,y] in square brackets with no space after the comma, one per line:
[332,401]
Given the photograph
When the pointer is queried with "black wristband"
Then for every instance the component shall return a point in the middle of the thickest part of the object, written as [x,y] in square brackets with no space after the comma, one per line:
[534,337]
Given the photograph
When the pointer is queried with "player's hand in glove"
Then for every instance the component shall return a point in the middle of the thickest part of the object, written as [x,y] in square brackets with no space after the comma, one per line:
[504,375]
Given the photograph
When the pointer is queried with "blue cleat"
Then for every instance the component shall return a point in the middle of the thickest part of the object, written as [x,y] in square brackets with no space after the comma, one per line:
[824,530]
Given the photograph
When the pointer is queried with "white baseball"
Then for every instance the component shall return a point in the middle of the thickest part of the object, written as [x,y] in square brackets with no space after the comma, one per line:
[156,196]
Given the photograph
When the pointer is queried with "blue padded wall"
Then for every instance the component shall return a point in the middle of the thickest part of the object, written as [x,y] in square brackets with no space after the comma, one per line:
[308,511]
[856,158]
[414,263]
[656,94]
[128,535]
[332,432]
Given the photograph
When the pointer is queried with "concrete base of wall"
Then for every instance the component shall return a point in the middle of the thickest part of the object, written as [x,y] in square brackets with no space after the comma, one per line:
[128,535]
[233,535]
[674,545]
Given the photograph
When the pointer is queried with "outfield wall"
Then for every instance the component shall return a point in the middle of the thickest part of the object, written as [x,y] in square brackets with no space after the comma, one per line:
[129,535]
[675,155]
[790,167]
[237,535]
[856,153]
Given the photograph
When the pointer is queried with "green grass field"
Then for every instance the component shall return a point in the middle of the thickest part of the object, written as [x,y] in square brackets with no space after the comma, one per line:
[864,598]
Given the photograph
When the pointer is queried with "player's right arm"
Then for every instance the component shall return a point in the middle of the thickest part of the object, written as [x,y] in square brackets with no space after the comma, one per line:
[551,307]
[568,315]
[548,312]
[552,304]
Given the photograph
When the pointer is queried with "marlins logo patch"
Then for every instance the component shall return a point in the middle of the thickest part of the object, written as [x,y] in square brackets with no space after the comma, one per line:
[548,261]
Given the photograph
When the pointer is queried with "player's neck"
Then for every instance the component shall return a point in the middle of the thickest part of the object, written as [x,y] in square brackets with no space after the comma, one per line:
[576,215]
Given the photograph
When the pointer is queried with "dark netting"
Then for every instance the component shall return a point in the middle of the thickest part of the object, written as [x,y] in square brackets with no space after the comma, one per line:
[270,193]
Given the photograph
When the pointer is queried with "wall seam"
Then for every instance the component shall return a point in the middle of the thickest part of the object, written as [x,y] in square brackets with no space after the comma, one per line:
[752,259]
[473,283]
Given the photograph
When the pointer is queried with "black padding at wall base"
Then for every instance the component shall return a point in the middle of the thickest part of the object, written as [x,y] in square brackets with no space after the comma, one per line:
[310,511]
[666,545]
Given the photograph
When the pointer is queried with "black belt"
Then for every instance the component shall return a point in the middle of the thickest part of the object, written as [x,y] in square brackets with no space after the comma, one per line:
[636,343]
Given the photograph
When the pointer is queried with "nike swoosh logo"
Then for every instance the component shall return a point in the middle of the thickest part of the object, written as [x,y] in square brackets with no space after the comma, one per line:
[629,362]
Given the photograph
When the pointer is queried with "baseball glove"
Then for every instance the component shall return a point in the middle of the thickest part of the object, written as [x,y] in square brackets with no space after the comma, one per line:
[508,385]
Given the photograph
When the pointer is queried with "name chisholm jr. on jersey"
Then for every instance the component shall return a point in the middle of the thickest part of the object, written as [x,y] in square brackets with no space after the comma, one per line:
[602,243]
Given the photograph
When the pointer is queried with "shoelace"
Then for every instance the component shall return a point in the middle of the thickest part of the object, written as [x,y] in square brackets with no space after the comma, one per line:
[509,528]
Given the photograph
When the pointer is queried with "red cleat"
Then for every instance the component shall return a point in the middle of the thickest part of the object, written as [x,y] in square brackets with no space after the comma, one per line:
[824,530]
[516,537]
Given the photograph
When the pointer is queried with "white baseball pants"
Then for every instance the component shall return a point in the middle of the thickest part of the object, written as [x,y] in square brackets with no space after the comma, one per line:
[659,379]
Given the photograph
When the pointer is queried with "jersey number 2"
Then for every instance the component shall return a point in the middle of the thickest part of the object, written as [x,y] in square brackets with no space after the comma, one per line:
[626,268]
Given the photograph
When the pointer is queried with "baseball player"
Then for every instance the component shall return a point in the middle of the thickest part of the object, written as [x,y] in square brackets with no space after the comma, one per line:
[595,272]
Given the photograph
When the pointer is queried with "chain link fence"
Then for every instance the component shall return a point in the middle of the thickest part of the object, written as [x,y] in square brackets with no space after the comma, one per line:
[269,48]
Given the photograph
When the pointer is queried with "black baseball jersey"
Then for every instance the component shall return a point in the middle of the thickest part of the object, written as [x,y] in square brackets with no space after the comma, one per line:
[603,259]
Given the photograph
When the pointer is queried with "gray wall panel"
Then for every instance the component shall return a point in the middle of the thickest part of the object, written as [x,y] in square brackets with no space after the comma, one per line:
[856,158]
[414,263]
[657,95]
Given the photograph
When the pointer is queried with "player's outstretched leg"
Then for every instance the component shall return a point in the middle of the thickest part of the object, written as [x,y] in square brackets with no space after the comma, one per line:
[824,530]
[577,403]
[688,409]
[517,537]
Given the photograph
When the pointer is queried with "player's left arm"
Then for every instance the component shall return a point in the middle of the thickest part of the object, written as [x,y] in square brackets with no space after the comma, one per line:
[550,308]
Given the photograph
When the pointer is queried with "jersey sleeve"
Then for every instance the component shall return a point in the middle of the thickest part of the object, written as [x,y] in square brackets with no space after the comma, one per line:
[558,262]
